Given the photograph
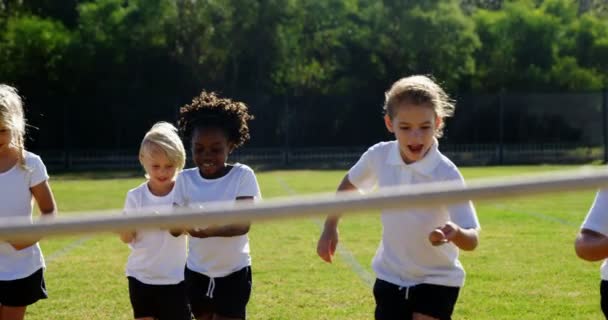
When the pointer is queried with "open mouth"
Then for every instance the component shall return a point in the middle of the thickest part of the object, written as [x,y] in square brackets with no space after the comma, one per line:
[415,148]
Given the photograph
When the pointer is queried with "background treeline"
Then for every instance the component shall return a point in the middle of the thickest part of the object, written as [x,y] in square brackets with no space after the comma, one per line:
[97,74]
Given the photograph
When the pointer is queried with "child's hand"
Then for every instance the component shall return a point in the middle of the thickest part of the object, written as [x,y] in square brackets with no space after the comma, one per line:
[21,245]
[444,234]
[326,247]
[128,237]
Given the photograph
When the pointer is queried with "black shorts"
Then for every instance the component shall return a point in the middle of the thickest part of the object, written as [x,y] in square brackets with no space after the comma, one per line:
[604,297]
[163,302]
[394,302]
[226,296]
[23,292]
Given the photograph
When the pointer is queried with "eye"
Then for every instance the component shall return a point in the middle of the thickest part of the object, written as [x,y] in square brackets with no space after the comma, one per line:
[405,128]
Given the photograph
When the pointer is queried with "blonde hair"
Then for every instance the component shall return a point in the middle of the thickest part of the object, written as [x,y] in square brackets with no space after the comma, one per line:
[163,136]
[419,90]
[11,116]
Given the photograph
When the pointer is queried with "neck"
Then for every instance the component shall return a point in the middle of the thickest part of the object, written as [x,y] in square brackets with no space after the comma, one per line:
[8,158]
[160,190]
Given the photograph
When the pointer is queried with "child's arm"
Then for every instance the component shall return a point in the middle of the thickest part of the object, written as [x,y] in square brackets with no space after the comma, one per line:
[46,203]
[328,241]
[130,205]
[463,238]
[591,245]
[127,237]
[229,230]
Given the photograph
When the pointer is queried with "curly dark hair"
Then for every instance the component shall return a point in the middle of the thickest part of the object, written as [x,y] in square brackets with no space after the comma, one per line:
[210,110]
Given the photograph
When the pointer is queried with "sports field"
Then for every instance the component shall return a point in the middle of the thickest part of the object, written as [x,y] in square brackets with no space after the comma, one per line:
[524,268]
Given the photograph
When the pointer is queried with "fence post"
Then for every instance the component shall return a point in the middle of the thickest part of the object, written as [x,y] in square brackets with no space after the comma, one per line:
[501,123]
[286,125]
[605,122]
[67,165]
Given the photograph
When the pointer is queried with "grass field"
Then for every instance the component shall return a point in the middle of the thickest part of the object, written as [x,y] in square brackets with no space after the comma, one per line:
[524,268]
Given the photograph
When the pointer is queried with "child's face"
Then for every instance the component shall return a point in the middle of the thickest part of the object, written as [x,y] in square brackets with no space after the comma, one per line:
[5,138]
[210,150]
[159,168]
[414,127]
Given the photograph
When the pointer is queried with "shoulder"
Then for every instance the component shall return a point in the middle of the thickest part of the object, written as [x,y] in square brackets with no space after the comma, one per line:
[32,159]
[137,190]
[382,147]
[381,150]
[243,169]
[446,169]
[187,174]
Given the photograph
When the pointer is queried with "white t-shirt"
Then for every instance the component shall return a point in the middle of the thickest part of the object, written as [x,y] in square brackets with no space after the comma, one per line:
[217,256]
[405,256]
[157,257]
[597,220]
[16,201]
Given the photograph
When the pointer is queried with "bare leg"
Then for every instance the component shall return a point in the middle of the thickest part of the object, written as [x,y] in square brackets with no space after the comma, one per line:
[12,313]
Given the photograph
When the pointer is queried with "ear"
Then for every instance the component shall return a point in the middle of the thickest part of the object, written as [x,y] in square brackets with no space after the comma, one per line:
[388,123]
[438,122]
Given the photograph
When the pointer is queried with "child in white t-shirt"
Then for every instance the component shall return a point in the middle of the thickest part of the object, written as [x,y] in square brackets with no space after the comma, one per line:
[23,176]
[592,242]
[417,268]
[218,272]
[155,267]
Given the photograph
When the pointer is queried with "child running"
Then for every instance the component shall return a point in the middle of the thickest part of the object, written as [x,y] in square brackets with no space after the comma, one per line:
[417,268]
[218,269]
[155,267]
[592,242]
[23,176]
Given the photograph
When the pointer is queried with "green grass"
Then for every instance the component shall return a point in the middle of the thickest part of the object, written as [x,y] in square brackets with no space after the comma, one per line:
[524,267]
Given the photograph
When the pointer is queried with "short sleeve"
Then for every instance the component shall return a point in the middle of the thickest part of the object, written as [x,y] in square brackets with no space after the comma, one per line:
[248,185]
[179,195]
[362,174]
[38,171]
[130,202]
[597,218]
[463,213]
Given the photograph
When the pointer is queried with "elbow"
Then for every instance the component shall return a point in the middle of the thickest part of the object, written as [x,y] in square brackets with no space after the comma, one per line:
[473,245]
[470,246]
[245,229]
[126,238]
[582,251]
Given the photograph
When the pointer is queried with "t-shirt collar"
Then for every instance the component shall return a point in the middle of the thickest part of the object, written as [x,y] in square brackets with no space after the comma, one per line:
[424,166]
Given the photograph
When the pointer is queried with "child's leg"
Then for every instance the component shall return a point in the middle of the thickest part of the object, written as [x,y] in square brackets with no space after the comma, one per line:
[21,293]
[231,295]
[420,316]
[12,313]
[218,317]
[392,301]
[604,297]
[140,294]
[431,301]
[197,286]
[172,302]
